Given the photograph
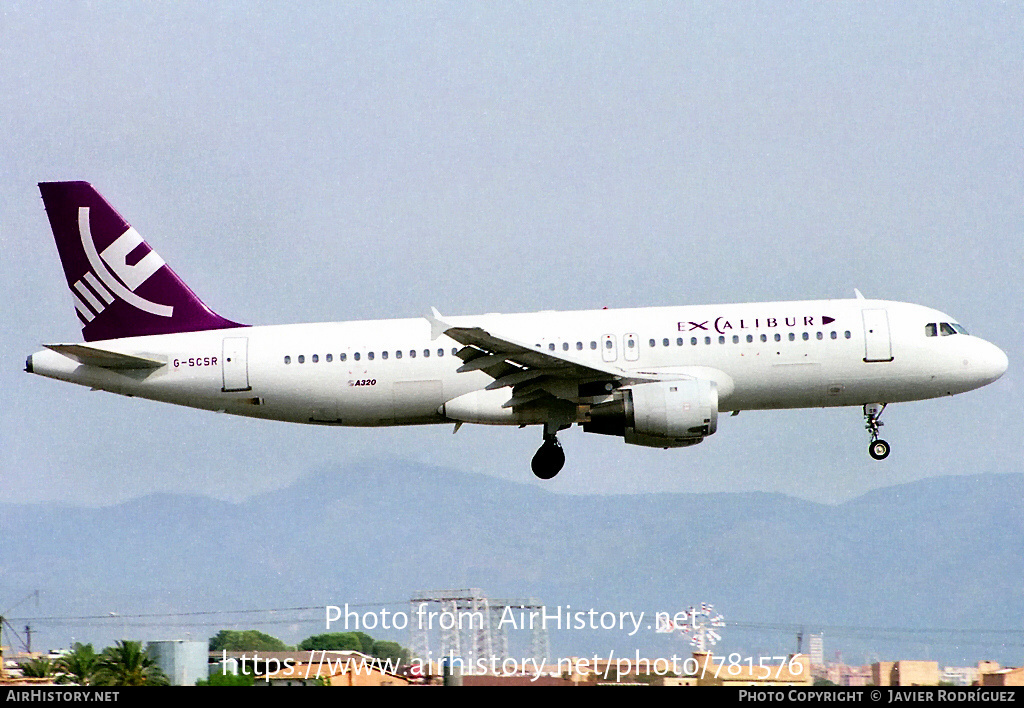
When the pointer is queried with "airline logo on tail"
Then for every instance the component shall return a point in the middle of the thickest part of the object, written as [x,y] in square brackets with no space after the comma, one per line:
[119,285]
[97,285]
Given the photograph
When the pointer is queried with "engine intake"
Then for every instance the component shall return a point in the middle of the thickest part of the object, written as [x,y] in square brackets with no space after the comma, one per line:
[659,414]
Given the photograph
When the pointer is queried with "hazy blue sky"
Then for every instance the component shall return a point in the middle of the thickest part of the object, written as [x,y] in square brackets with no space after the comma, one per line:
[330,161]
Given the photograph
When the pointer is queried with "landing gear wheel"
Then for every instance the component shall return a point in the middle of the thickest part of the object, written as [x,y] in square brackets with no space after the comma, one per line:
[878,449]
[549,459]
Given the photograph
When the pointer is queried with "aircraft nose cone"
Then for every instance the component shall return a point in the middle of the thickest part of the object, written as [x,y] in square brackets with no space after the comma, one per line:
[992,364]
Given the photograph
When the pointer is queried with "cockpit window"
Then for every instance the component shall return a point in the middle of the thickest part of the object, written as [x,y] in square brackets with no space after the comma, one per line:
[943,329]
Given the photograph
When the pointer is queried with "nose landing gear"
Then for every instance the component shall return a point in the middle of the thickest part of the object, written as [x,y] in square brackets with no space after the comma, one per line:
[549,458]
[878,449]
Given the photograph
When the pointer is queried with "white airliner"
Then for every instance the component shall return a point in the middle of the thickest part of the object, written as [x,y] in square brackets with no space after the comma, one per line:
[656,376]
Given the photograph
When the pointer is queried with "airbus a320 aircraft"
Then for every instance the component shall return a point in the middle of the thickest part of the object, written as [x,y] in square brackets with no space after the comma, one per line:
[656,376]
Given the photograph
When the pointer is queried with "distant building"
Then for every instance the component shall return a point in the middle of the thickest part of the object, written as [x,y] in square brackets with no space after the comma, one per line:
[960,675]
[843,675]
[1000,677]
[905,673]
[881,673]
[184,662]
[339,674]
[521,680]
[817,651]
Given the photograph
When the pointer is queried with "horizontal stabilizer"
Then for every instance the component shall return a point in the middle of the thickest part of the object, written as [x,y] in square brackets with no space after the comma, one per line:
[92,356]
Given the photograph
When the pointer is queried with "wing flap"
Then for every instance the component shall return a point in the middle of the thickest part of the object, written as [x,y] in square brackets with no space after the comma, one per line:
[536,377]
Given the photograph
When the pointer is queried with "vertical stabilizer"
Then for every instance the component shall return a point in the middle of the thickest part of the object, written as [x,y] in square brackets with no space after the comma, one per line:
[121,287]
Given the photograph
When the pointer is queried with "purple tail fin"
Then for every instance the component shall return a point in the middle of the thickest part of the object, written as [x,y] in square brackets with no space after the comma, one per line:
[121,286]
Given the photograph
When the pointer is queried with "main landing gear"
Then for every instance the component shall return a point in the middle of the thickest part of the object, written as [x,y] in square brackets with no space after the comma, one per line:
[549,458]
[878,449]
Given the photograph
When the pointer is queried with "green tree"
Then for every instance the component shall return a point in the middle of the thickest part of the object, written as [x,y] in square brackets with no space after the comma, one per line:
[390,650]
[37,668]
[338,641]
[78,666]
[217,678]
[245,640]
[126,664]
[355,641]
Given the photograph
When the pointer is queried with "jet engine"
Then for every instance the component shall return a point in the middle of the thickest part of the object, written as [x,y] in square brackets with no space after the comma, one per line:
[660,414]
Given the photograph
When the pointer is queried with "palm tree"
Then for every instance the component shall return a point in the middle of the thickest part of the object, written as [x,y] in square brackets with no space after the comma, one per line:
[78,666]
[126,664]
[37,668]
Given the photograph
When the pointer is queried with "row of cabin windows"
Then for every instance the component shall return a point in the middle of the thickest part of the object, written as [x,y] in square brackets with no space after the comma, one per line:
[565,346]
[631,343]
[357,356]
[750,338]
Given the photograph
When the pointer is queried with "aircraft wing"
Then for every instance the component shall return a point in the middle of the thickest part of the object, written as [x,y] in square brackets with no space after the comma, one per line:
[532,373]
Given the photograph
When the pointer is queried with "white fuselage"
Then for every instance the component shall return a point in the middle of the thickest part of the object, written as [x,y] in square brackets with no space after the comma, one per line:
[392,372]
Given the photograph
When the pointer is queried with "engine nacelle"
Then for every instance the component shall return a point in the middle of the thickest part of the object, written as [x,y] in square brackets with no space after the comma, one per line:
[659,414]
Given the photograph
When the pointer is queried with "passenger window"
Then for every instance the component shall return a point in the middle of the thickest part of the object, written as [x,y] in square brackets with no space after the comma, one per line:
[792,336]
[631,343]
[384,355]
[693,341]
[664,342]
[330,358]
[806,336]
[847,334]
[834,335]
[426,352]
[302,358]
[412,353]
[369,355]
[652,344]
[316,358]
[287,360]
[342,357]
[608,344]
[565,346]
[750,338]
[398,353]
[735,339]
[707,340]
[820,336]
[778,337]
[679,341]
[764,337]
[551,346]
[593,345]
[356,356]
[579,346]
[721,340]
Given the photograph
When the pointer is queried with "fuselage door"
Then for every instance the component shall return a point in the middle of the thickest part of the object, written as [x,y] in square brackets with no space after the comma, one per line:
[630,347]
[877,343]
[235,364]
[609,352]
